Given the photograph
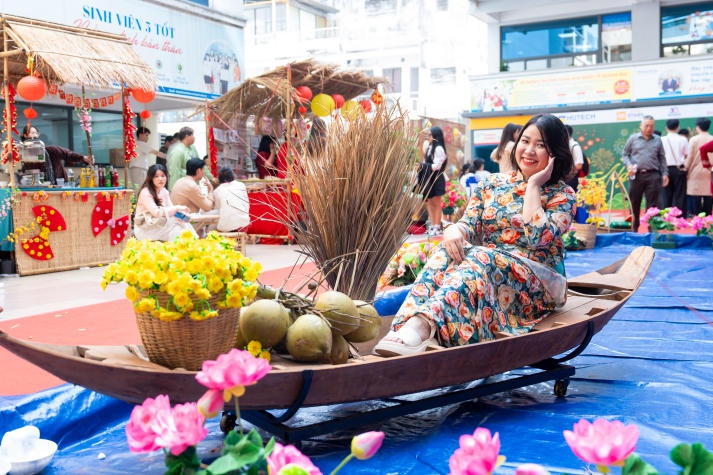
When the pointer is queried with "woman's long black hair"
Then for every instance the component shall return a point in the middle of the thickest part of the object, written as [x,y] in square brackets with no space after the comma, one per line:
[437,134]
[556,140]
[148,182]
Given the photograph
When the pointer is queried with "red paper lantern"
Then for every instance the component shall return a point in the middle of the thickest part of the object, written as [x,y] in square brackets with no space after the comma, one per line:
[365,105]
[30,113]
[145,114]
[304,93]
[338,101]
[31,88]
[143,95]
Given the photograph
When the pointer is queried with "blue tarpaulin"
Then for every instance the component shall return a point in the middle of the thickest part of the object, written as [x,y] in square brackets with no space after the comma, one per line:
[650,366]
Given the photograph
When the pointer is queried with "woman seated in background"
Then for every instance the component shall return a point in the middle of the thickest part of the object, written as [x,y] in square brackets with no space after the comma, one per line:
[155,217]
[500,268]
[231,202]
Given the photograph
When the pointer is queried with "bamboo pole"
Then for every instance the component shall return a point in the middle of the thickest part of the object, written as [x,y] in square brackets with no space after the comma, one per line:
[8,122]
[123,138]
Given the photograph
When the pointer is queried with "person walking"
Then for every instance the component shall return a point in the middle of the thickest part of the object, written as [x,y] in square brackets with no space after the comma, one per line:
[435,162]
[645,161]
[675,147]
[698,183]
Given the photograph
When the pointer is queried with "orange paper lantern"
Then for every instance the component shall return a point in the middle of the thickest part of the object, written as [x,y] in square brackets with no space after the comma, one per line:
[30,113]
[304,93]
[338,101]
[143,95]
[31,88]
[145,114]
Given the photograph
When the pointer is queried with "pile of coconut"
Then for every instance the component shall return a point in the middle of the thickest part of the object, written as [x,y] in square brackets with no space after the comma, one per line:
[311,331]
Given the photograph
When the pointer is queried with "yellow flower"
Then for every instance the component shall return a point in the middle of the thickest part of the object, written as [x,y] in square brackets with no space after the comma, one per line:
[131,293]
[254,347]
[264,354]
[191,271]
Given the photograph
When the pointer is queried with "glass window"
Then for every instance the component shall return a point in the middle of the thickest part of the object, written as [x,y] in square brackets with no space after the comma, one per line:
[687,29]
[565,43]
[107,133]
[263,20]
[379,6]
[200,2]
[443,75]
[414,82]
[393,79]
[442,5]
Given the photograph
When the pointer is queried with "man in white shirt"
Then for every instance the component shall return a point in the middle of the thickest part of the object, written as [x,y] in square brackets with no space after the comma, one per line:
[143,160]
[675,147]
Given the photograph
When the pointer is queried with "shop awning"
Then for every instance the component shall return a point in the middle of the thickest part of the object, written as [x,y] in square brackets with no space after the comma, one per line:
[266,95]
[74,56]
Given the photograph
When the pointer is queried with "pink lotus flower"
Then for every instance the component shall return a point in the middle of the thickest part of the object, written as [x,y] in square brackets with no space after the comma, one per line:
[154,424]
[531,469]
[477,455]
[283,455]
[184,429]
[141,430]
[233,371]
[603,442]
[365,445]
[211,403]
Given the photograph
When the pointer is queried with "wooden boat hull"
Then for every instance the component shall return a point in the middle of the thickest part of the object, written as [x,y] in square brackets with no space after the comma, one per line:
[122,373]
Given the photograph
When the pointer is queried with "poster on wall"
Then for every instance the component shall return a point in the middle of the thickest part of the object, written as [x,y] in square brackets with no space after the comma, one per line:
[681,79]
[193,57]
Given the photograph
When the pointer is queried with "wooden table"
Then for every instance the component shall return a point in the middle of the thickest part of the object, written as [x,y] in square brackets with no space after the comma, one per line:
[202,223]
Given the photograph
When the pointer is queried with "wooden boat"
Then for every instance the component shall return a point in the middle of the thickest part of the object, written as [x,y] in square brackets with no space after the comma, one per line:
[124,373]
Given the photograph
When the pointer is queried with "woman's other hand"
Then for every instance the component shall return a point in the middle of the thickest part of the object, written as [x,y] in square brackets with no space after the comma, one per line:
[454,242]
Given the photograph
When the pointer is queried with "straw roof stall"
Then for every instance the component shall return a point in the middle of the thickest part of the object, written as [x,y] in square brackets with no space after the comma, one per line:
[267,95]
[75,56]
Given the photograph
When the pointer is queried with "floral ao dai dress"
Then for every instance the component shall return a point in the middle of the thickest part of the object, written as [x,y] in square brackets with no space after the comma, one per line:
[509,282]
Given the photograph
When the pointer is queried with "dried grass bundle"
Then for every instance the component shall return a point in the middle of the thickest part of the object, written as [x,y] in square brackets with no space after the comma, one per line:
[358,200]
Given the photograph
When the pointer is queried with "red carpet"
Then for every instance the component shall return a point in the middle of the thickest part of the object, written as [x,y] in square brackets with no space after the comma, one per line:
[109,323]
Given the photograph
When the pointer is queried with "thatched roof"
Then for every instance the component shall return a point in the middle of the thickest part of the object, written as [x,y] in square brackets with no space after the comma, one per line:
[267,95]
[76,56]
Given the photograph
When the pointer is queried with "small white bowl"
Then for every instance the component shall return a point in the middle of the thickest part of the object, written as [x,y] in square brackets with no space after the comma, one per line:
[44,450]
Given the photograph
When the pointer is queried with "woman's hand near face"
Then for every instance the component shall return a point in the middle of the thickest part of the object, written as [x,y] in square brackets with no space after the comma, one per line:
[541,177]
[454,242]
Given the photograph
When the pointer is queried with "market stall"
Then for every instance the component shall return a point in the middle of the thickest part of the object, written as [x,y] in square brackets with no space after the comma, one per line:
[276,103]
[58,226]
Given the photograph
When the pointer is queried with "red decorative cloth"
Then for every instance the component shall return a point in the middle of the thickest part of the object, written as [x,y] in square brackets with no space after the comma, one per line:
[102,217]
[49,220]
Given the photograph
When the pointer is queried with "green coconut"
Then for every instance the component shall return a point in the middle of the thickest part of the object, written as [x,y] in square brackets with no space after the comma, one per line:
[340,350]
[309,339]
[265,321]
[369,323]
[340,310]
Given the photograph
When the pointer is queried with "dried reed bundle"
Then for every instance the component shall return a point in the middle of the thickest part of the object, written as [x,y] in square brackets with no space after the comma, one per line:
[358,200]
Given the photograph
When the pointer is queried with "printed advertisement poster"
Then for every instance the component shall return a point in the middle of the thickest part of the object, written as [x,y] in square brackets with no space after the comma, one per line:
[193,57]
[603,86]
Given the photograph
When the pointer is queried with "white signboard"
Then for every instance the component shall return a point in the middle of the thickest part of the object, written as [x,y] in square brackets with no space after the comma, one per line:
[194,57]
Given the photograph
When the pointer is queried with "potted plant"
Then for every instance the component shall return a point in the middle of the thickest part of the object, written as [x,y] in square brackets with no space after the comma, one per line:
[662,224]
[185,295]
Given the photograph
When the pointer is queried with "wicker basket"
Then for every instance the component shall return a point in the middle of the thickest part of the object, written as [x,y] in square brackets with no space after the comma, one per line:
[187,343]
[586,233]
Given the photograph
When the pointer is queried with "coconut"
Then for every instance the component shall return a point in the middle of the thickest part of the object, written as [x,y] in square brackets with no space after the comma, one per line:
[369,323]
[240,341]
[340,350]
[265,321]
[309,339]
[340,310]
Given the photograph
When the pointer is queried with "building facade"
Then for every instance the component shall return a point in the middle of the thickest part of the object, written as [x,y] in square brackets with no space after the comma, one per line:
[600,66]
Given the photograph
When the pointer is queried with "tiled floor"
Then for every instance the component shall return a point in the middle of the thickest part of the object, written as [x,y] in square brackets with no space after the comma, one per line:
[42,293]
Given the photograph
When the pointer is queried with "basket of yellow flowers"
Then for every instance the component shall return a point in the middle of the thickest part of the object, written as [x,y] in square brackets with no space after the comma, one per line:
[186,295]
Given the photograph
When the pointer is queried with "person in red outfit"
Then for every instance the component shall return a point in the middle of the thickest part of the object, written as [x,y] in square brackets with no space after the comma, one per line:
[266,159]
